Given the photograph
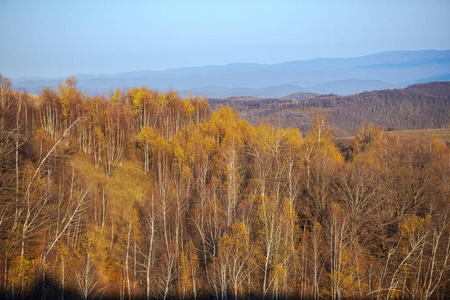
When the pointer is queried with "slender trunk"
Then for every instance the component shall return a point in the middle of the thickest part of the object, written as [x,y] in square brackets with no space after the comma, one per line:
[127,270]
[16,216]
[63,276]
[17,150]
[103,208]
[150,249]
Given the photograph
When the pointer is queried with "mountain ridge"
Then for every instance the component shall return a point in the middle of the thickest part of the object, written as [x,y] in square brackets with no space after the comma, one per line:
[394,68]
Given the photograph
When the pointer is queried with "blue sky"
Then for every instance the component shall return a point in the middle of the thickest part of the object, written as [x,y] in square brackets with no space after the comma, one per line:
[61,38]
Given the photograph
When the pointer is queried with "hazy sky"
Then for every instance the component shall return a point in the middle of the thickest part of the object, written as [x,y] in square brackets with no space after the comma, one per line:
[61,38]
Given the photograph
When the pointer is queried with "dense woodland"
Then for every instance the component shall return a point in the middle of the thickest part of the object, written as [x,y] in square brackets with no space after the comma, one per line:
[415,107]
[142,195]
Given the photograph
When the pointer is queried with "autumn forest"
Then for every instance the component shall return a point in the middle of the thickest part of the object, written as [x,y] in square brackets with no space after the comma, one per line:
[141,194]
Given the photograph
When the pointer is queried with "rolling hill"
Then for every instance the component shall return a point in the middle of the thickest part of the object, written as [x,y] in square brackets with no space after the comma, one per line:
[418,106]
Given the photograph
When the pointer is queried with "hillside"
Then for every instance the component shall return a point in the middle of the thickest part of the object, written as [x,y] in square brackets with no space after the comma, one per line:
[220,92]
[415,107]
[299,96]
[148,195]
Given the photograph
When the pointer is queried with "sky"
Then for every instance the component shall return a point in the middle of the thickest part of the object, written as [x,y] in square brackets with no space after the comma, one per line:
[61,38]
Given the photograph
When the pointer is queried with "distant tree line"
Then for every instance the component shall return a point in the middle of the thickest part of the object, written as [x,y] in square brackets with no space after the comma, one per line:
[416,107]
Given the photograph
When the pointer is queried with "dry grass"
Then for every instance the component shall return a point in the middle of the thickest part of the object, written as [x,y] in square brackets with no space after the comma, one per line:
[126,185]
[442,134]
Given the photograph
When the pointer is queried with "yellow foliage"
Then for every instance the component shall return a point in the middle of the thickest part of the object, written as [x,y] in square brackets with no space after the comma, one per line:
[413,228]
[189,108]
[187,270]
[67,93]
[322,130]
[161,100]
[319,141]
[117,97]
[294,139]
[22,274]
[236,240]
[138,102]
[146,136]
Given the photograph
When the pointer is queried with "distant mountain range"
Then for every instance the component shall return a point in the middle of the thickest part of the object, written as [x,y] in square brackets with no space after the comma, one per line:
[341,76]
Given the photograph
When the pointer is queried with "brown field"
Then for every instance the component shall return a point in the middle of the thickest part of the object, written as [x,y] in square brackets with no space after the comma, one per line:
[443,134]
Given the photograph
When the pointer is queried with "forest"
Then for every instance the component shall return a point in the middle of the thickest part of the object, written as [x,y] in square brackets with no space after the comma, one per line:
[141,194]
[418,106]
